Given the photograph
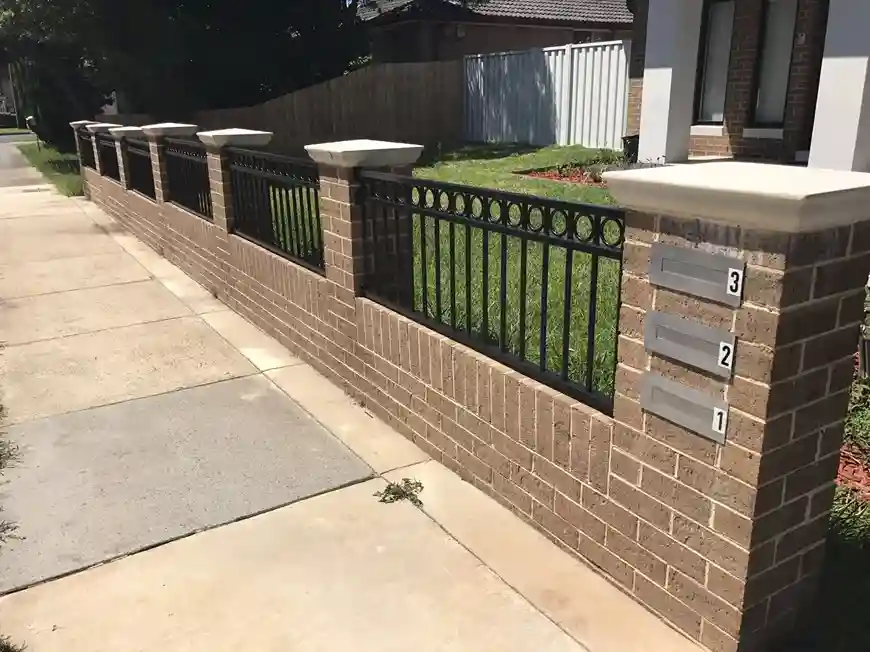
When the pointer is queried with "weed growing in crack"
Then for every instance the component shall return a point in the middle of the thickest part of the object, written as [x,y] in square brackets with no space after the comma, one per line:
[407,489]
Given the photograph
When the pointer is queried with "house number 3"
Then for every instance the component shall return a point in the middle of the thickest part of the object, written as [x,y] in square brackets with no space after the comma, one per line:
[734,286]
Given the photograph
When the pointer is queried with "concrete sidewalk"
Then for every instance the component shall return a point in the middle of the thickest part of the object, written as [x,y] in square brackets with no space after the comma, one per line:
[148,412]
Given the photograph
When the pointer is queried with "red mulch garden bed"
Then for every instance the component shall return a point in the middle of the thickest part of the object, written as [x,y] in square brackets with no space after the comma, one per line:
[573,175]
[854,473]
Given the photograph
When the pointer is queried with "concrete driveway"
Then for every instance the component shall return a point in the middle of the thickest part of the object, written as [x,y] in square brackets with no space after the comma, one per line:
[146,412]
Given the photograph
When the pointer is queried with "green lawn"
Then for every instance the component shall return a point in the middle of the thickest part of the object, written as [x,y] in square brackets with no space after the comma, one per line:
[4,131]
[61,168]
[496,166]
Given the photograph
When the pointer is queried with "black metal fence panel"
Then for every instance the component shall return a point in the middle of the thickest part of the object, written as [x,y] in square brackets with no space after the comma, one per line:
[276,204]
[108,157]
[86,145]
[140,174]
[531,282]
[187,176]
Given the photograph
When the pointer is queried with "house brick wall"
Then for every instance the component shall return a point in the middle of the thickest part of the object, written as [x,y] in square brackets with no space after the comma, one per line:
[723,542]
[745,50]
[636,66]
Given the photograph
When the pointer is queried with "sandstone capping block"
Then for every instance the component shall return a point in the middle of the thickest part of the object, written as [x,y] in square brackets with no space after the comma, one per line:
[169,129]
[364,153]
[235,138]
[760,196]
[100,127]
[120,133]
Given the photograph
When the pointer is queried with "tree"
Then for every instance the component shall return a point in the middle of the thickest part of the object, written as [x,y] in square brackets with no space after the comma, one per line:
[169,57]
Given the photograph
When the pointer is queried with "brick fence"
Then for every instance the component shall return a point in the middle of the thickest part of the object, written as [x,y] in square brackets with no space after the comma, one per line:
[724,542]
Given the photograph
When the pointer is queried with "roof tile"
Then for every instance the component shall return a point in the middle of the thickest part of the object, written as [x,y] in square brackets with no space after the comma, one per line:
[596,11]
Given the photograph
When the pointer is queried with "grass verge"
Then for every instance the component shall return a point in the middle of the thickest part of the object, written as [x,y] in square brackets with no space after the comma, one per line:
[61,168]
[6,131]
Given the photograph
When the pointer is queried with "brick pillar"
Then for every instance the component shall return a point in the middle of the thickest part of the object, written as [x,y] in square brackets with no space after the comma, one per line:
[221,187]
[744,511]
[156,134]
[120,134]
[76,126]
[156,145]
[220,182]
[98,128]
[341,212]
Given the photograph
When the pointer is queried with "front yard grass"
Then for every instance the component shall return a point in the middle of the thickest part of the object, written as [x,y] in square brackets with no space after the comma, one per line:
[61,168]
[496,167]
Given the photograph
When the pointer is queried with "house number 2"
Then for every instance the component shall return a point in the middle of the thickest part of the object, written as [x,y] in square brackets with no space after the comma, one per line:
[726,355]
[734,286]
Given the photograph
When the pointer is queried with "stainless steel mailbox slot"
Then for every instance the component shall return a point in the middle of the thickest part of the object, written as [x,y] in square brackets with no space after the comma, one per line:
[710,276]
[691,342]
[701,413]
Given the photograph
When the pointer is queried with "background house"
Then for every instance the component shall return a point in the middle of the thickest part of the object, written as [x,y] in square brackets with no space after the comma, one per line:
[431,30]
[782,80]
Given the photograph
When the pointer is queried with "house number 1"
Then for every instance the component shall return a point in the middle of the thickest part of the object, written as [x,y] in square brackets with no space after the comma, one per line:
[720,420]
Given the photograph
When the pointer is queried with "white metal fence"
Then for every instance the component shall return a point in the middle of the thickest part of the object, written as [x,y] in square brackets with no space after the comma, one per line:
[567,95]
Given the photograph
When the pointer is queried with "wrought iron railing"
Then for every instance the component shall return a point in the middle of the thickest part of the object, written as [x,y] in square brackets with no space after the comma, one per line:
[277,205]
[531,282]
[86,146]
[187,181]
[108,156]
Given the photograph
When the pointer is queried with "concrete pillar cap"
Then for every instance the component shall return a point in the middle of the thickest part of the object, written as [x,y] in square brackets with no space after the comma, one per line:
[779,198]
[364,153]
[100,127]
[120,133]
[169,129]
[235,138]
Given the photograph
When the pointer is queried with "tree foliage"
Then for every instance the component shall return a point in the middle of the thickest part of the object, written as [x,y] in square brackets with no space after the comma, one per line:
[169,57]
